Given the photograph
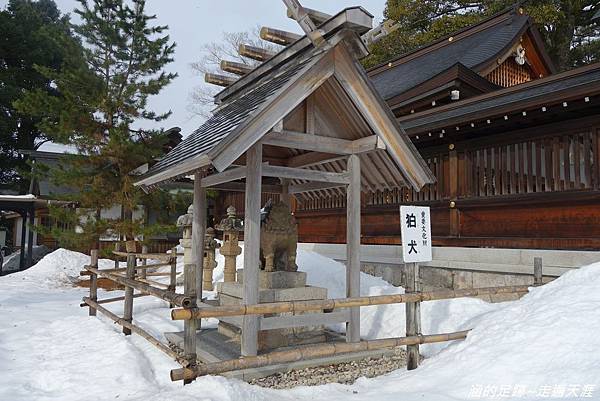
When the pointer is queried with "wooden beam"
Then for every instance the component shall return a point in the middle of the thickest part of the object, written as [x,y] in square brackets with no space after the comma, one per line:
[236,173]
[241,187]
[311,115]
[312,159]
[289,96]
[235,67]
[375,111]
[217,79]
[353,246]
[324,144]
[312,186]
[317,16]
[304,20]
[255,53]
[303,174]
[278,36]
[249,341]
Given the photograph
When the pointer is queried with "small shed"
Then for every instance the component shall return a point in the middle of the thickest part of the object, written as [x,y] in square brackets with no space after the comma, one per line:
[310,117]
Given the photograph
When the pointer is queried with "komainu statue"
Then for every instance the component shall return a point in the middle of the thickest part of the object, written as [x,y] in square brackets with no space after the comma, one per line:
[278,238]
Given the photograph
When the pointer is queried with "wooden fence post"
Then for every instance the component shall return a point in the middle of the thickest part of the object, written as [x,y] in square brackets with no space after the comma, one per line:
[537,271]
[173,272]
[413,314]
[144,261]
[128,304]
[117,248]
[93,280]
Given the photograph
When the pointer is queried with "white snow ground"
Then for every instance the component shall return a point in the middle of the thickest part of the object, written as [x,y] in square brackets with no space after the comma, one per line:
[545,345]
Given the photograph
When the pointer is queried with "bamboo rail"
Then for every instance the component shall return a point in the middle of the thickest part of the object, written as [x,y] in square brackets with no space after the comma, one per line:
[309,352]
[316,305]
[175,299]
[158,256]
[115,299]
[135,329]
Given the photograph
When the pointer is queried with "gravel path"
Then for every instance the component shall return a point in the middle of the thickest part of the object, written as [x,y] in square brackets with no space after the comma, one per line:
[344,373]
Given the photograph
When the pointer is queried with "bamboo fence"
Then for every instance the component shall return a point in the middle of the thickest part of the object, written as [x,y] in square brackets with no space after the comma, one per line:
[189,312]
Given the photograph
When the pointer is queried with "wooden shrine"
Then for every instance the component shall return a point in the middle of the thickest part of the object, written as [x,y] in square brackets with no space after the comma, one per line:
[254,143]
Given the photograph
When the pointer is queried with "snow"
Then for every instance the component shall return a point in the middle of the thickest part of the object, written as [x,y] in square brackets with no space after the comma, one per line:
[544,344]
[17,197]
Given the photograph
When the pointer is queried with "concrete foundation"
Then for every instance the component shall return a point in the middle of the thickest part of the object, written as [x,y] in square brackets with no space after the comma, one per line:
[458,268]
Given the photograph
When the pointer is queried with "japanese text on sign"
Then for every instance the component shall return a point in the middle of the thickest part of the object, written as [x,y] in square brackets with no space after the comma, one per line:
[416,233]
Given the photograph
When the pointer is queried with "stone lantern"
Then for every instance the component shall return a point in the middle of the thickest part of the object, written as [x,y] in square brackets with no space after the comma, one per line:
[185,223]
[209,263]
[231,226]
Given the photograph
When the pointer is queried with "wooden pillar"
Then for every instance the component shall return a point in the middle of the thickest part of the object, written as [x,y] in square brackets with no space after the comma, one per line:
[173,271]
[23,236]
[93,280]
[128,303]
[353,246]
[192,269]
[285,194]
[198,233]
[413,314]
[144,261]
[117,248]
[453,181]
[537,271]
[30,236]
[252,247]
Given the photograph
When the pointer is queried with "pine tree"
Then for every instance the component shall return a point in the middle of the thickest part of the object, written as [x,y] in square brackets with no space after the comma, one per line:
[28,30]
[572,37]
[104,90]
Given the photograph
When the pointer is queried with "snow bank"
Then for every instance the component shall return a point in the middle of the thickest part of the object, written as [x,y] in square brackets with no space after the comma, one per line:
[543,345]
[58,268]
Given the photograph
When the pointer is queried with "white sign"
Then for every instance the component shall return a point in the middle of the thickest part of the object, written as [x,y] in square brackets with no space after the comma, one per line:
[415,226]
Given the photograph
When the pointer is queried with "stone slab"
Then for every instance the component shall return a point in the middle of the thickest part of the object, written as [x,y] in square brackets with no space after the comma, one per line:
[236,290]
[278,279]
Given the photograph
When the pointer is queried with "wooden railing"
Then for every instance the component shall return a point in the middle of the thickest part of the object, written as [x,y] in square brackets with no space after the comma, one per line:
[564,162]
[550,164]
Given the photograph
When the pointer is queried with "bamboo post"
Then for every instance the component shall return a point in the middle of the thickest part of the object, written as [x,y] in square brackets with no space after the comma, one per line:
[249,341]
[173,273]
[93,281]
[413,315]
[144,261]
[128,304]
[537,271]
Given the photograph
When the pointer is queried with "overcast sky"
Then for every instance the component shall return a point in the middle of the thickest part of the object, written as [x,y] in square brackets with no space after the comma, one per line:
[195,22]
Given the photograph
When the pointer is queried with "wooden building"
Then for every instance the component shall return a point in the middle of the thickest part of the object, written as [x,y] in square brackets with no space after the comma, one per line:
[513,145]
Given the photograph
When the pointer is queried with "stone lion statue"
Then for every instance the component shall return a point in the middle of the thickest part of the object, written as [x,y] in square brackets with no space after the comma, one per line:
[278,238]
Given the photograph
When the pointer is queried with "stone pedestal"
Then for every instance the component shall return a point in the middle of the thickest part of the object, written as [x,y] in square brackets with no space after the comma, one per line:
[231,226]
[209,262]
[273,287]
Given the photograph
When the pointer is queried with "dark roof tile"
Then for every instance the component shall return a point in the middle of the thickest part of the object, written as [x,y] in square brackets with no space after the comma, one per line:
[471,51]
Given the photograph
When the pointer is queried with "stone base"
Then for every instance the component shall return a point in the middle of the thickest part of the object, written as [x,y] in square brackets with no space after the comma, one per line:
[274,287]
[278,279]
